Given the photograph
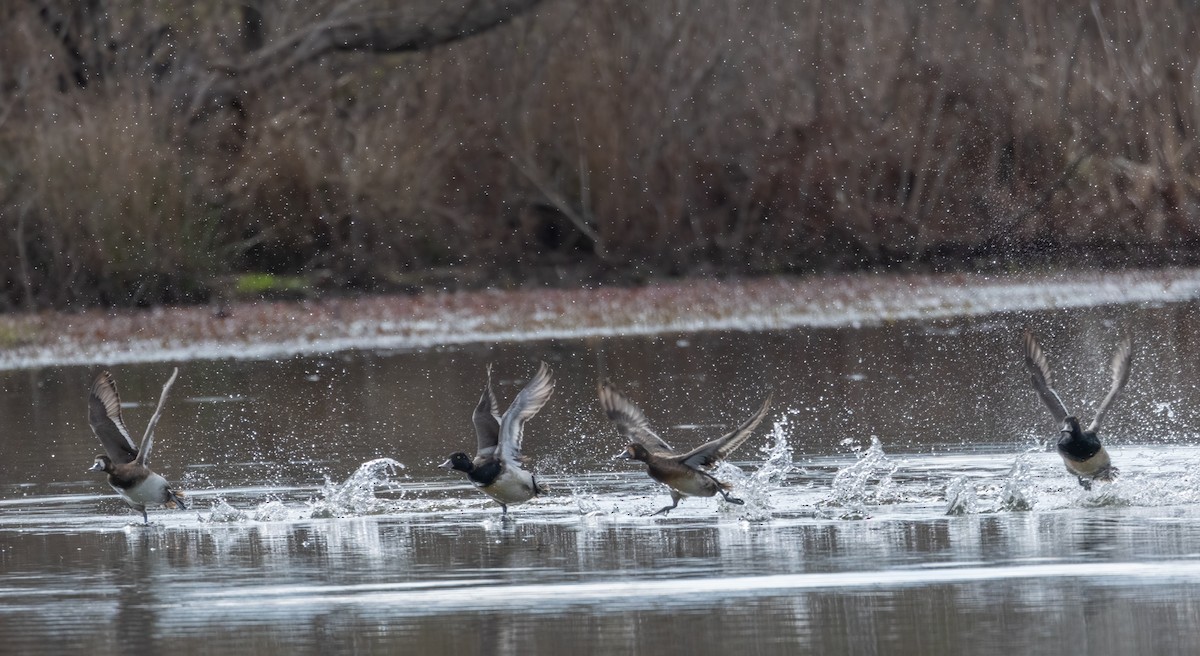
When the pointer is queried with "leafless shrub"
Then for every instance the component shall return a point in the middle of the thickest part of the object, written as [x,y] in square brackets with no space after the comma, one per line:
[615,138]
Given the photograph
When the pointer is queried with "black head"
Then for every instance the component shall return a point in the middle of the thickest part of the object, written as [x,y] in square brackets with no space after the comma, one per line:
[1076,443]
[634,451]
[102,464]
[460,461]
[1075,438]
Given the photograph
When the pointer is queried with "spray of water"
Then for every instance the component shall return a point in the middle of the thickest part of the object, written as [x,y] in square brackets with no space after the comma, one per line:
[353,497]
[1017,490]
[755,489]
[961,497]
[271,511]
[222,512]
[356,495]
[868,481]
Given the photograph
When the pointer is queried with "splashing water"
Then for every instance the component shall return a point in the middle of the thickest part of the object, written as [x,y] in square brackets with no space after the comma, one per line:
[1161,478]
[271,511]
[755,489]
[852,486]
[222,512]
[356,495]
[961,497]
[1016,493]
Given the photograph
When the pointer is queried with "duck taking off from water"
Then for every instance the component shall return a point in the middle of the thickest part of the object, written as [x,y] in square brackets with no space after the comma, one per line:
[686,474]
[496,468]
[1081,450]
[127,466]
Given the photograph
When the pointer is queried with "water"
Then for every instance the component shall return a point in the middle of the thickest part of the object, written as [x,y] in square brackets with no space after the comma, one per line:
[899,499]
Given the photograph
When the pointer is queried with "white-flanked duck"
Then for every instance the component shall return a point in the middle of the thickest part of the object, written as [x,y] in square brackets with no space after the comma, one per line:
[686,474]
[496,468]
[1081,450]
[127,466]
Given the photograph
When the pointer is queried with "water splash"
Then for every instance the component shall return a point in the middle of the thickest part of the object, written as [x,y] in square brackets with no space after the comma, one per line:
[356,495]
[1017,491]
[271,511]
[869,481]
[222,512]
[961,497]
[588,505]
[755,489]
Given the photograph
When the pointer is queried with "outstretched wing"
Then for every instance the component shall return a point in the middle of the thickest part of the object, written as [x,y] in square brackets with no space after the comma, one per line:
[143,455]
[531,399]
[708,455]
[630,421]
[1120,375]
[1039,374]
[104,416]
[487,420]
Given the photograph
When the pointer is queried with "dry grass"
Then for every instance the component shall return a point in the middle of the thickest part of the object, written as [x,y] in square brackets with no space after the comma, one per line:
[603,139]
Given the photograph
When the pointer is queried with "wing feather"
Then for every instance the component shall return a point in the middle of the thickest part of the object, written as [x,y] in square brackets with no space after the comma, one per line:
[104,416]
[629,420]
[1120,375]
[708,455]
[487,420]
[1039,375]
[527,404]
[143,455]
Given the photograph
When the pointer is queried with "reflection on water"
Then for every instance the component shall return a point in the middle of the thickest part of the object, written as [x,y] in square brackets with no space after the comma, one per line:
[901,500]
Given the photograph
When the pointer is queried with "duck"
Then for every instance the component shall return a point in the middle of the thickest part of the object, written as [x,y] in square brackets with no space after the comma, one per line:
[1082,452]
[126,465]
[496,470]
[685,474]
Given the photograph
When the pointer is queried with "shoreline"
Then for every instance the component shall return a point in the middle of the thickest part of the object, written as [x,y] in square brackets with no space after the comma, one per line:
[260,330]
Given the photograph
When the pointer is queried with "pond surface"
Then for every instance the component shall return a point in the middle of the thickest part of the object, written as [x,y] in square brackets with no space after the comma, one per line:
[321,524]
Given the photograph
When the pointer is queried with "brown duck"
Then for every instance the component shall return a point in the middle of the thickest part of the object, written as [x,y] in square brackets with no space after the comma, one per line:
[127,466]
[686,474]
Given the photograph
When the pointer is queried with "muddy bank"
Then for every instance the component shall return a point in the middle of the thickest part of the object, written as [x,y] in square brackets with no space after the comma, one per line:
[264,330]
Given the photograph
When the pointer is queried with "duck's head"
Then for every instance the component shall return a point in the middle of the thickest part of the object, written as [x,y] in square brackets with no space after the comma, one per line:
[1070,427]
[634,451]
[460,461]
[102,464]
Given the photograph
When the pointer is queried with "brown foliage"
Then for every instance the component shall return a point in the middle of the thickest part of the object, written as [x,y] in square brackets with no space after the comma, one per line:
[149,148]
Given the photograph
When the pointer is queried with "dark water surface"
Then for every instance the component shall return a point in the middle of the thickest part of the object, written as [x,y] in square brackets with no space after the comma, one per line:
[321,523]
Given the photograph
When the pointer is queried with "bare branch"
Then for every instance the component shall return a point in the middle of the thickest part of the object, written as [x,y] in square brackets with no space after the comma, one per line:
[379,32]
[581,223]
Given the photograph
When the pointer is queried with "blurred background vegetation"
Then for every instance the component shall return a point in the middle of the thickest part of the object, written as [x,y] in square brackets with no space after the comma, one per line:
[153,151]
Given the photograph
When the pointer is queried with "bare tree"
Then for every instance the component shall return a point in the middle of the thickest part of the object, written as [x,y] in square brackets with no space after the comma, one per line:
[91,47]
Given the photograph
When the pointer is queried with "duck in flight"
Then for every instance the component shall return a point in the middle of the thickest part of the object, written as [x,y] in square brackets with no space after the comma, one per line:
[1081,450]
[496,468]
[686,474]
[127,466]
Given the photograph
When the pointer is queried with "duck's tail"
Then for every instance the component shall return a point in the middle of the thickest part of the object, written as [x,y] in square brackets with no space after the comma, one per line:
[177,499]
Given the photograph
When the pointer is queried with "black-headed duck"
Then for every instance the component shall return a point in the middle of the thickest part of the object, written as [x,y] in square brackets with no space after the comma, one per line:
[686,474]
[1081,450]
[496,468]
[127,466]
